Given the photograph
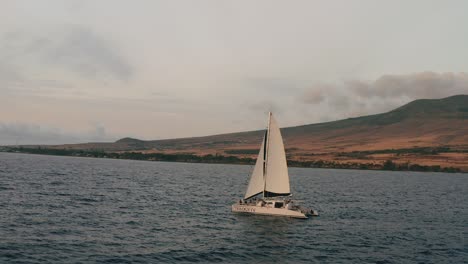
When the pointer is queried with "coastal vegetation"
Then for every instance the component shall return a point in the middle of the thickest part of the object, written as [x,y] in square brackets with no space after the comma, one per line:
[415,150]
[187,157]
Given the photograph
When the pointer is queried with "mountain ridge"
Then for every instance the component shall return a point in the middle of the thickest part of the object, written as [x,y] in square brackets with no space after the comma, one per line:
[434,111]
[415,111]
[425,125]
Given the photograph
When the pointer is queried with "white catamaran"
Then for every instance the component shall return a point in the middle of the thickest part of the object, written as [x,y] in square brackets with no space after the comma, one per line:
[270,179]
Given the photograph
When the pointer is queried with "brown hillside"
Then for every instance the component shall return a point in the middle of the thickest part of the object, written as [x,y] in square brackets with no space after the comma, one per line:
[421,123]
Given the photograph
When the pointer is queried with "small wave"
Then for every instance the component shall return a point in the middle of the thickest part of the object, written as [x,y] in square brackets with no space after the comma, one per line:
[202,257]
[117,260]
[54,173]
[426,252]
[62,194]
[383,261]
[131,223]
[87,200]
[321,257]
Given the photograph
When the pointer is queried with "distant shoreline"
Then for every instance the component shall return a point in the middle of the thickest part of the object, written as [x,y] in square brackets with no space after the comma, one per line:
[388,165]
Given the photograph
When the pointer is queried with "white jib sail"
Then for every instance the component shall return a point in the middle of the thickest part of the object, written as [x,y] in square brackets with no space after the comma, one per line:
[276,178]
[256,180]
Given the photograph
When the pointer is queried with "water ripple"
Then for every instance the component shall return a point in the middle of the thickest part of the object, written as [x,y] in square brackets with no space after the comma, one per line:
[82,210]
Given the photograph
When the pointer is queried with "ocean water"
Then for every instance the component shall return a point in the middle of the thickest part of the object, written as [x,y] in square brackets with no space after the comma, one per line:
[83,210]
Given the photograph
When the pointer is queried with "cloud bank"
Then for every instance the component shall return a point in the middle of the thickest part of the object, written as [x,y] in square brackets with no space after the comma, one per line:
[351,98]
[23,134]
[75,47]
[413,86]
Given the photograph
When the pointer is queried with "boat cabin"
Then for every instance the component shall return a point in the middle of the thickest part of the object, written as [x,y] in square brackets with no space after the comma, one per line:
[273,204]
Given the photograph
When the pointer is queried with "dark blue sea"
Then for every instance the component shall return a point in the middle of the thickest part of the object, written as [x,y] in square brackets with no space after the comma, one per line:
[84,210]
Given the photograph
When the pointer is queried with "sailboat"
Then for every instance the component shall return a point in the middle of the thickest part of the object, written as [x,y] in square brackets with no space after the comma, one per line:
[268,192]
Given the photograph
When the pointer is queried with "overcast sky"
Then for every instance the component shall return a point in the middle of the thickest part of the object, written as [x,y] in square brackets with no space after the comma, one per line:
[75,71]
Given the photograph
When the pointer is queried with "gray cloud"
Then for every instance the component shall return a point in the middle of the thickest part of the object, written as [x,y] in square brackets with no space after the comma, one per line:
[9,74]
[86,53]
[77,49]
[357,97]
[22,133]
[265,107]
[315,95]
[269,85]
[413,86]
[340,103]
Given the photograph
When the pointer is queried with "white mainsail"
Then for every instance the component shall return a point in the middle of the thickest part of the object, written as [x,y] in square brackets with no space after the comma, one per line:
[270,175]
[276,175]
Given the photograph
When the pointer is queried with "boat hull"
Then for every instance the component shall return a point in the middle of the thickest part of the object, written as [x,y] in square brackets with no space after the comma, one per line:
[261,210]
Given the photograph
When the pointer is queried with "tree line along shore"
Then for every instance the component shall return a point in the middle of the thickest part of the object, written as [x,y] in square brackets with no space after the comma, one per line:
[191,158]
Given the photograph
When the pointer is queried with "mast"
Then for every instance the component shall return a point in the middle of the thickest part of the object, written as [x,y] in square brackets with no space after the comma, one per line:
[270,174]
[265,156]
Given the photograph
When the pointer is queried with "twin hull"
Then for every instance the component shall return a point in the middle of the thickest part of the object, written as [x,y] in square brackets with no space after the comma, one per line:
[261,210]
